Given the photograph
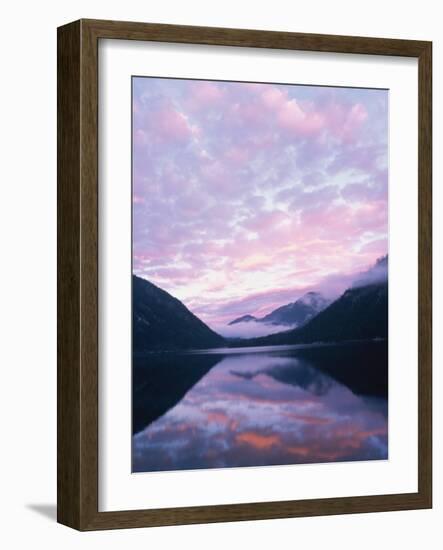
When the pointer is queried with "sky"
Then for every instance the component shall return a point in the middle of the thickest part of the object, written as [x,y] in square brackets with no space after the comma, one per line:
[248,195]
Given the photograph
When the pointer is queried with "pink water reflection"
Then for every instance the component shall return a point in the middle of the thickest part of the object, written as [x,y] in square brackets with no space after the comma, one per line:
[264,409]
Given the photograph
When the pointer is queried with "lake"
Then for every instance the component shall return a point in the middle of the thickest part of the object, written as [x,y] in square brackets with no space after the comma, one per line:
[278,405]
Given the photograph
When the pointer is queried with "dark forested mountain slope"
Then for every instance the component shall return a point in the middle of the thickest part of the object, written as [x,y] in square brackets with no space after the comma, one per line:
[243,319]
[361,313]
[298,312]
[161,322]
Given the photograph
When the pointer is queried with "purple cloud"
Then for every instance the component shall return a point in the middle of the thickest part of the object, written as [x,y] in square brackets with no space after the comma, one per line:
[243,190]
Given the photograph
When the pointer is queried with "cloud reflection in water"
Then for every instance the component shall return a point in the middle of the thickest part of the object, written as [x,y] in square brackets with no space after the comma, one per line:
[264,409]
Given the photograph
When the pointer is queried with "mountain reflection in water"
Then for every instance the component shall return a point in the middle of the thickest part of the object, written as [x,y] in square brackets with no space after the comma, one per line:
[267,406]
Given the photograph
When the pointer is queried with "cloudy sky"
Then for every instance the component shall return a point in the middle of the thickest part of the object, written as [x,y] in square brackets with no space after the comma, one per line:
[248,195]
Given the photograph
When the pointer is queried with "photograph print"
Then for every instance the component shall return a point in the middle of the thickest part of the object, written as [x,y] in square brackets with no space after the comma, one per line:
[259,274]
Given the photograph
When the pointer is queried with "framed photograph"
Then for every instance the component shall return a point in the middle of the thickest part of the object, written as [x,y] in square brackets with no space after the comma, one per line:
[233,207]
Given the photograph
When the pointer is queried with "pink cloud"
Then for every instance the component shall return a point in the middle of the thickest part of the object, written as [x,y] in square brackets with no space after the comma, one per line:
[237,156]
[291,116]
[274,98]
[173,125]
[204,94]
[344,121]
[136,199]
[256,191]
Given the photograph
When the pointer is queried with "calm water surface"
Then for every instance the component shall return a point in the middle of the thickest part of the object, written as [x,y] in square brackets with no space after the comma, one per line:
[260,406]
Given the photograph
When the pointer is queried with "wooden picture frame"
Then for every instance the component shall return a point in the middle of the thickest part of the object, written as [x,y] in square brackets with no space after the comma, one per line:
[78,274]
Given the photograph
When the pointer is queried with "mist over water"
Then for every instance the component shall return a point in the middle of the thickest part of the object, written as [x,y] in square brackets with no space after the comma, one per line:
[251,329]
[267,406]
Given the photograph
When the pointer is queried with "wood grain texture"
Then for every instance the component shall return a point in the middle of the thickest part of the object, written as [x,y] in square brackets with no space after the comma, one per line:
[68,275]
[78,274]
[425,273]
[254,38]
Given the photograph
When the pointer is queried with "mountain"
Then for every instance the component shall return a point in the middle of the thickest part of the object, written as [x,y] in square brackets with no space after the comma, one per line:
[299,312]
[161,322]
[244,319]
[296,313]
[161,382]
[361,313]
[378,273]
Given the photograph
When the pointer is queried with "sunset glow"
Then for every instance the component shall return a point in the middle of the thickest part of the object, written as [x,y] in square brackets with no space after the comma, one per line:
[246,195]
